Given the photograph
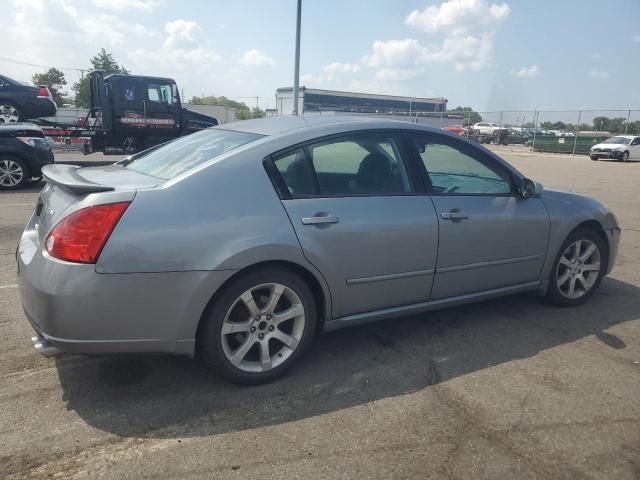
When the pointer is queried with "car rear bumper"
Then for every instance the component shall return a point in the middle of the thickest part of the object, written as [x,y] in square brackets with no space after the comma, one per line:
[76,310]
[41,107]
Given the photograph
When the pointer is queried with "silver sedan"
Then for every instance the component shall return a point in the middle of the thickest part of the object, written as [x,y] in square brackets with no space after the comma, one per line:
[241,242]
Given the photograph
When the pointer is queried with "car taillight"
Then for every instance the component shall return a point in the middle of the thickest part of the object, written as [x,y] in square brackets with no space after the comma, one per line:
[43,92]
[80,237]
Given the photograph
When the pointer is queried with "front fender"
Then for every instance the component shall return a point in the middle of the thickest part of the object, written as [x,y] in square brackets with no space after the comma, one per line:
[567,211]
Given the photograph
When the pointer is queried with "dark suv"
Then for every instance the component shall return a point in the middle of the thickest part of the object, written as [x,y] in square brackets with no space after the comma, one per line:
[24,150]
[19,101]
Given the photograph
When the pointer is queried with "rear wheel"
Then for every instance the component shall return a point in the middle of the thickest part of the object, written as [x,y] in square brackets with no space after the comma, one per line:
[578,269]
[13,173]
[259,326]
[9,112]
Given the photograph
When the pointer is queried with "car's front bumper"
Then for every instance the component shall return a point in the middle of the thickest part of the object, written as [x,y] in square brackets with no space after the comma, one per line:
[77,310]
[38,158]
[611,154]
[613,238]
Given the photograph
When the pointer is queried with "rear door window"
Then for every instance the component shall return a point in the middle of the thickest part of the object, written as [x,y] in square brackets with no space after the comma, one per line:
[361,164]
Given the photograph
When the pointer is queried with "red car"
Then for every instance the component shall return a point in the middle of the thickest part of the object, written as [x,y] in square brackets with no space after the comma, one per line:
[457,129]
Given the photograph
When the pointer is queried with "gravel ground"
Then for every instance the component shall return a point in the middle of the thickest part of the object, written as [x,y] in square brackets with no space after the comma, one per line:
[510,388]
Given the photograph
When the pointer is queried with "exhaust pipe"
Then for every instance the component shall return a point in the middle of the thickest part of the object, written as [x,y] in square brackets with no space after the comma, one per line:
[44,347]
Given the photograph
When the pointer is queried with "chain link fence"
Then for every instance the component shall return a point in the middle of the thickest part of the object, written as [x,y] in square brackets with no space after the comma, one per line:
[559,131]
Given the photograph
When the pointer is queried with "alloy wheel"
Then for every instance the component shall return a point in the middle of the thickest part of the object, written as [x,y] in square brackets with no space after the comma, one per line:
[263,327]
[578,269]
[11,173]
[9,114]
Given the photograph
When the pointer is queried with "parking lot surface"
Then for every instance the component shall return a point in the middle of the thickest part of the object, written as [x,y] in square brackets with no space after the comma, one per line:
[509,388]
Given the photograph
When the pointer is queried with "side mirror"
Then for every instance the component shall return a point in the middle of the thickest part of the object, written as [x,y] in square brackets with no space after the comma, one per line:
[530,188]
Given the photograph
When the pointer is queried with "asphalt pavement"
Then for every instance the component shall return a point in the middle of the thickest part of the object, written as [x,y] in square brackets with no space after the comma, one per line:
[508,388]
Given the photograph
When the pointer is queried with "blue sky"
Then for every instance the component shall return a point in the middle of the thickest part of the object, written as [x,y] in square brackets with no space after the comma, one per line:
[491,55]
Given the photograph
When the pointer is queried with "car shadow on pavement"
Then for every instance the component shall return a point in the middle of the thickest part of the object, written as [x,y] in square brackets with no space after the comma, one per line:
[165,397]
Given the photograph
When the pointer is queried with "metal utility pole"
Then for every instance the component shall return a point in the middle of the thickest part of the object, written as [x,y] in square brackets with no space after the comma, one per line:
[626,125]
[296,74]
[575,139]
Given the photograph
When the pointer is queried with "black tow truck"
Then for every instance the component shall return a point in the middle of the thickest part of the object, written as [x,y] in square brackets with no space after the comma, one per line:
[128,114]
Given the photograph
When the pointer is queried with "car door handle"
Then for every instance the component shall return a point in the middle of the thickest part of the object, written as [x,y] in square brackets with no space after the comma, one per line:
[454,215]
[319,220]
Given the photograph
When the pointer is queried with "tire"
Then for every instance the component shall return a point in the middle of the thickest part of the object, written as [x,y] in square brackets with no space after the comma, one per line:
[14,173]
[250,329]
[560,278]
[476,132]
[595,159]
[9,112]
[625,156]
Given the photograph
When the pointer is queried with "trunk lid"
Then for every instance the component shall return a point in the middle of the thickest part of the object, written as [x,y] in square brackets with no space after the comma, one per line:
[69,184]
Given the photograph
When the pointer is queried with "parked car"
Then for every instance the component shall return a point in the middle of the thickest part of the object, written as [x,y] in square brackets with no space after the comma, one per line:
[620,147]
[456,129]
[485,128]
[24,150]
[19,101]
[512,136]
[241,241]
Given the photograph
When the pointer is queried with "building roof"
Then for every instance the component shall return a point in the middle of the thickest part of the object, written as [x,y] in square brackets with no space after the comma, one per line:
[372,96]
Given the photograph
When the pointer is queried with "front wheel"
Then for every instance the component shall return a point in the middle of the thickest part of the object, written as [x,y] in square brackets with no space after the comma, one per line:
[595,159]
[259,326]
[625,157]
[578,269]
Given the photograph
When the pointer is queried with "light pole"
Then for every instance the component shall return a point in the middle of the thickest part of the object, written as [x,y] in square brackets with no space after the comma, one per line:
[296,74]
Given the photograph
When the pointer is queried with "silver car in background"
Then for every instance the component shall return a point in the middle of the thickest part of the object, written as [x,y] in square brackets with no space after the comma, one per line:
[242,241]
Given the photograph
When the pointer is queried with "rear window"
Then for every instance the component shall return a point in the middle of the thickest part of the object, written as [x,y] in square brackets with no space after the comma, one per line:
[188,152]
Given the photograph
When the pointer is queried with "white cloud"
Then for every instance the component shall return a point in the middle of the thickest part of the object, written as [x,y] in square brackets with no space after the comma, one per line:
[532,71]
[599,74]
[255,58]
[468,27]
[181,33]
[398,74]
[464,51]
[311,78]
[395,53]
[458,17]
[337,67]
[121,5]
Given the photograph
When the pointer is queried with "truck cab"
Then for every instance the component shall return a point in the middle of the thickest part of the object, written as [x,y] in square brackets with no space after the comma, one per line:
[137,112]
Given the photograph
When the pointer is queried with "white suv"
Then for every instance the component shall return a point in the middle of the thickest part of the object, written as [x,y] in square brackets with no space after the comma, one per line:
[485,128]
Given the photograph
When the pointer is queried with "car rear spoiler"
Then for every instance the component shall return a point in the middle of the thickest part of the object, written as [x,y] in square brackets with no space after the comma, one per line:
[67,177]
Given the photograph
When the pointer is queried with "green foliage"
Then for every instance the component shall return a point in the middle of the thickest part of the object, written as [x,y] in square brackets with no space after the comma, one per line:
[102,61]
[471,116]
[54,79]
[606,124]
[243,112]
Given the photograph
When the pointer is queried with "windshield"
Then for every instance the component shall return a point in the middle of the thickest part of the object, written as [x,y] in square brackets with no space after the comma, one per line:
[618,140]
[188,152]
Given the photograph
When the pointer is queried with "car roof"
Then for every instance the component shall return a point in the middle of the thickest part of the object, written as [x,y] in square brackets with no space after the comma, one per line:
[276,125]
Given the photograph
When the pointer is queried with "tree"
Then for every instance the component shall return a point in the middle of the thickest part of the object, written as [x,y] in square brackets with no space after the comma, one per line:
[102,61]
[54,79]
[243,112]
[470,115]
